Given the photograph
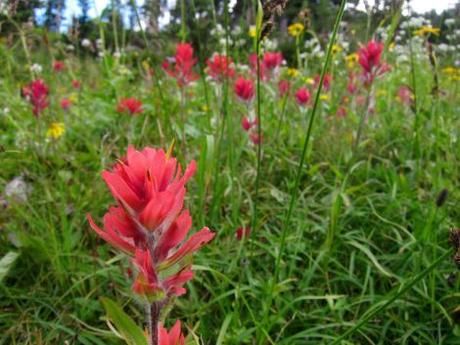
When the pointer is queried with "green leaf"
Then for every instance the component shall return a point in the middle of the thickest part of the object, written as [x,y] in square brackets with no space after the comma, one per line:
[130,332]
[6,263]
[260,16]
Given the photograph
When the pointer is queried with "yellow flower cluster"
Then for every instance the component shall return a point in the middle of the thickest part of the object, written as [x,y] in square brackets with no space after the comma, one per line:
[296,29]
[55,130]
[293,72]
[425,30]
[351,60]
[336,48]
[452,72]
[252,31]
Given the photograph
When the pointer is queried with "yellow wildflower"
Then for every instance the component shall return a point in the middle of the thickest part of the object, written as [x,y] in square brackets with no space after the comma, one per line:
[425,30]
[336,48]
[73,98]
[252,31]
[292,72]
[351,60]
[205,108]
[392,46]
[381,92]
[295,29]
[324,97]
[310,81]
[56,130]
[449,70]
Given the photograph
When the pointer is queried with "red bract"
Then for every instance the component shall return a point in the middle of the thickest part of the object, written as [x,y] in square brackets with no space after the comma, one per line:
[36,92]
[247,124]
[150,223]
[341,112]
[242,232]
[272,60]
[76,84]
[65,103]
[132,106]
[244,89]
[326,82]
[253,66]
[369,56]
[302,96]
[58,66]
[183,62]
[369,59]
[255,138]
[173,337]
[405,95]
[220,67]
[283,87]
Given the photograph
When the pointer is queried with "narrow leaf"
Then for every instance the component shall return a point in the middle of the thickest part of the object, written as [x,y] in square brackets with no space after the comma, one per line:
[132,333]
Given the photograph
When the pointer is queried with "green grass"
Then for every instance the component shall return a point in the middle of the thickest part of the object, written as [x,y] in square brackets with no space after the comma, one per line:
[365,247]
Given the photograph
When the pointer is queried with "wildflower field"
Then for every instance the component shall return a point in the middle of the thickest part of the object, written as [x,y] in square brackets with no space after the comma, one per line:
[313,178]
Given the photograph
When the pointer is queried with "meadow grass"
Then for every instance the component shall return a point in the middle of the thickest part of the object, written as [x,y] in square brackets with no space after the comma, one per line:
[348,244]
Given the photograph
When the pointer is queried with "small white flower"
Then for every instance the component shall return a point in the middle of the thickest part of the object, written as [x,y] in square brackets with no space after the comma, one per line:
[70,47]
[85,43]
[17,189]
[117,54]
[36,68]
[449,21]
[237,30]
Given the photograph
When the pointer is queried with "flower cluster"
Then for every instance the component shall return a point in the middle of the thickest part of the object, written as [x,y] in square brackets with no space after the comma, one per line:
[220,67]
[149,222]
[131,106]
[180,67]
[36,92]
[370,61]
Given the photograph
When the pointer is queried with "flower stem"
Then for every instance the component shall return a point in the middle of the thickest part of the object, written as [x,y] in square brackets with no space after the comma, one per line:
[154,316]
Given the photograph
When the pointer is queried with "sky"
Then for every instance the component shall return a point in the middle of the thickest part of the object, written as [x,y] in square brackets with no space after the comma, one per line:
[72,8]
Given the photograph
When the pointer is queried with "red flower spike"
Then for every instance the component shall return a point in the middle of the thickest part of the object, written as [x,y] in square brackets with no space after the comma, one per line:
[220,68]
[131,106]
[283,87]
[326,82]
[65,103]
[173,337]
[184,61]
[36,92]
[369,59]
[149,223]
[272,60]
[58,66]
[302,96]
[242,232]
[76,84]
[244,89]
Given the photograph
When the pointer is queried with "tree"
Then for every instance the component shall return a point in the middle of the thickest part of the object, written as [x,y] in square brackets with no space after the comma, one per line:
[53,14]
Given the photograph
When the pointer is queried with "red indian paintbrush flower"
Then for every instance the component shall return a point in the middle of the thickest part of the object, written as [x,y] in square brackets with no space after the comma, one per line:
[244,89]
[253,65]
[247,124]
[220,67]
[58,66]
[369,59]
[272,60]
[76,84]
[242,232]
[65,103]
[149,221]
[173,337]
[132,106]
[326,82]
[36,92]
[183,62]
[302,96]
[283,87]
